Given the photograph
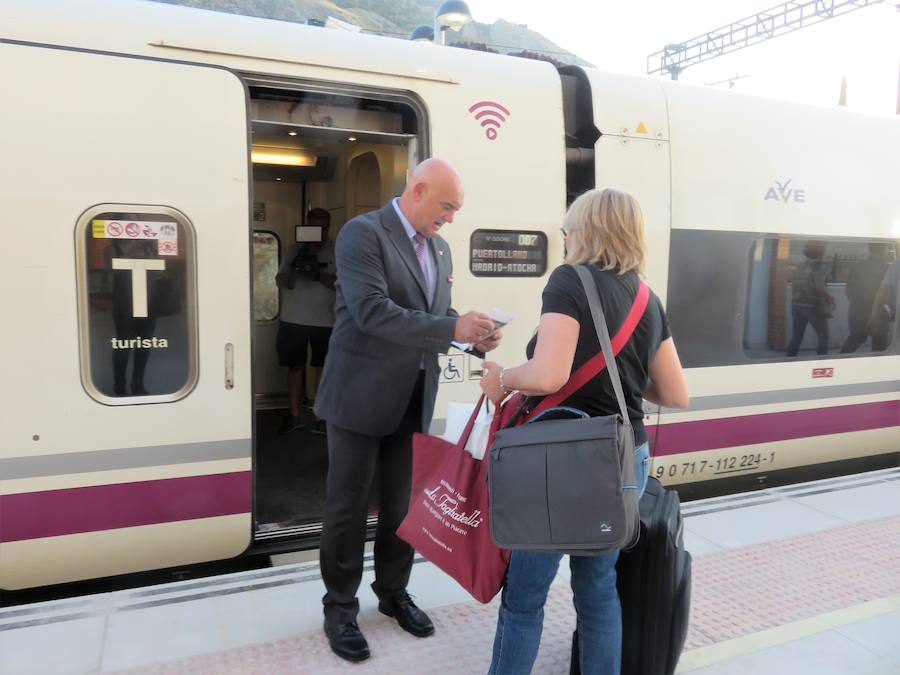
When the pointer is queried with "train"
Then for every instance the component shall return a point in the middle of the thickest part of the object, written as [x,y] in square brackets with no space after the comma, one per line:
[182,148]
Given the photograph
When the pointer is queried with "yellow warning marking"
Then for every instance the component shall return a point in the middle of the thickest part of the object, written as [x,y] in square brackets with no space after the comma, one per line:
[98,229]
[641,128]
[748,644]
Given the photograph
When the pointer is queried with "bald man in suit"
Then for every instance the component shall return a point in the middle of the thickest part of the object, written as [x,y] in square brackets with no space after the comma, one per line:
[392,318]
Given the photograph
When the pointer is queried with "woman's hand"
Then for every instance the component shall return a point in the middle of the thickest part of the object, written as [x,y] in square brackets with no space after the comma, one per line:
[490,382]
[490,343]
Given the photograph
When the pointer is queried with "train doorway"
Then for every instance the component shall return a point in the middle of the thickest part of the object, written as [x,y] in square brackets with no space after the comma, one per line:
[314,153]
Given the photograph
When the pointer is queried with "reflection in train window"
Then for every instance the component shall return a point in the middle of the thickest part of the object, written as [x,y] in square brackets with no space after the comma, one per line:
[266,257]
[815,298]
[136,302]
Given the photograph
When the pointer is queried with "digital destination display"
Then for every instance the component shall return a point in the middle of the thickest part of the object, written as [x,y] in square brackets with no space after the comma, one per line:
[508,253]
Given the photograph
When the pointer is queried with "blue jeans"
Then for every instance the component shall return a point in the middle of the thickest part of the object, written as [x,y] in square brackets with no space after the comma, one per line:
[528,579]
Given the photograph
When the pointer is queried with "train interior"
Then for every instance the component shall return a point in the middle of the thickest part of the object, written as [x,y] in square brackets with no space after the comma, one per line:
[347,154]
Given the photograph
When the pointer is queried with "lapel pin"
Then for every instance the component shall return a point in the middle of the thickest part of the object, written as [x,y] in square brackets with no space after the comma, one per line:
[450,279]
[440,253]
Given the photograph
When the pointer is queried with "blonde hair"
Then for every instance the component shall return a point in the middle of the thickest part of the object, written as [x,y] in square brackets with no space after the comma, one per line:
[607,227]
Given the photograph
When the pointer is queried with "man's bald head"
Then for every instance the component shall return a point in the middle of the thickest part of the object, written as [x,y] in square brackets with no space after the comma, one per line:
[434,171]
[432,196]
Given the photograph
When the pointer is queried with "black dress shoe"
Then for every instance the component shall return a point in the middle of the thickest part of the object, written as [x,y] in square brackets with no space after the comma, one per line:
[411,618]
[347,641]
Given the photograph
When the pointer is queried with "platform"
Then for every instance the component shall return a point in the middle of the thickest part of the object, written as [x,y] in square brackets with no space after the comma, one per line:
[798,579]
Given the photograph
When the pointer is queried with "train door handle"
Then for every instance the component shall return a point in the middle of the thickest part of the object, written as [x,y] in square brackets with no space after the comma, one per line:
[229,366]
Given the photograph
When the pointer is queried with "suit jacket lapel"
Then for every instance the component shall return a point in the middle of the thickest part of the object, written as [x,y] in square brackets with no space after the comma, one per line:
[397,234]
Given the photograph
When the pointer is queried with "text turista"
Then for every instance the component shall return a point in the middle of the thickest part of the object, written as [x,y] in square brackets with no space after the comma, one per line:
[139,343]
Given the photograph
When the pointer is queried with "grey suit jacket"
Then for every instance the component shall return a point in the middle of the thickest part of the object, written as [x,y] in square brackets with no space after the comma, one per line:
[383,326]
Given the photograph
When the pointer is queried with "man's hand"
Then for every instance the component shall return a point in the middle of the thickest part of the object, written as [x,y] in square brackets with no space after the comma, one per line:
[490,343]
[472,327]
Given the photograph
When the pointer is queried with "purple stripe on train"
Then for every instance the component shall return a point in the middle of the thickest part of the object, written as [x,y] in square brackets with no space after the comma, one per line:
[53,513]
[731,432]
[32,515]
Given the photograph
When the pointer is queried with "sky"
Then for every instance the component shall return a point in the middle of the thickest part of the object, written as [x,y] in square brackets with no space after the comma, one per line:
[805,66]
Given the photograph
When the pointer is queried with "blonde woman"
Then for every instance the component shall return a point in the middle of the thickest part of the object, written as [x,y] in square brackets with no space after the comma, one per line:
[605,230]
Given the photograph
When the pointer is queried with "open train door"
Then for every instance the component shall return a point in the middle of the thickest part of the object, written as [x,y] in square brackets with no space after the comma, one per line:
[126,298]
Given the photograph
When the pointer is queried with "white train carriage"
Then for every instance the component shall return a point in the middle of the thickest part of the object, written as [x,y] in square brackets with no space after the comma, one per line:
[157,159]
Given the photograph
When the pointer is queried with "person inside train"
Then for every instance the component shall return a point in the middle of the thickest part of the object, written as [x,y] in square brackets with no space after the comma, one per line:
[811,303]
[127,325]
[884,307]
[862,285]
[306,280]
[604,229]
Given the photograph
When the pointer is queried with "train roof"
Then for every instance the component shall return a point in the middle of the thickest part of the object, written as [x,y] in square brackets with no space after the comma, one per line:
[244,43]
[170,31]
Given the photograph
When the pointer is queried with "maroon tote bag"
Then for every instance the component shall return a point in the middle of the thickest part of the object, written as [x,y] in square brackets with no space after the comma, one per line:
[447,521]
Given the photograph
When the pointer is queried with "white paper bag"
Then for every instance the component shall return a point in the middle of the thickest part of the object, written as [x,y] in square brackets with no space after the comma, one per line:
[457,416]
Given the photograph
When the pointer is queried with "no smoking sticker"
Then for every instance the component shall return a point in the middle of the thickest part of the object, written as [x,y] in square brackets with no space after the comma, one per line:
[168,247]
[136,229]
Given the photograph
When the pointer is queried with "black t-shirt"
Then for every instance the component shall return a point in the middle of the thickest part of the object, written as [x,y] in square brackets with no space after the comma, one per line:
[806,290]
[564,294]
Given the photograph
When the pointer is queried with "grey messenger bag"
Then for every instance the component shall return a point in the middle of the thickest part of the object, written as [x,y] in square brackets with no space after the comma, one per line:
[569,485]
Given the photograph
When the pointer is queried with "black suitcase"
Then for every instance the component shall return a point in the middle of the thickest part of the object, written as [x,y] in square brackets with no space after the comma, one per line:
[654,581]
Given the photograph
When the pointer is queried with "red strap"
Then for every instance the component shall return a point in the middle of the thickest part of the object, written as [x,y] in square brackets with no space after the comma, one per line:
[593,366]
[467,430]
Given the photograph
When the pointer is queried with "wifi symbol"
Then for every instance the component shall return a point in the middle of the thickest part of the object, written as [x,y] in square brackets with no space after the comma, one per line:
[491,115]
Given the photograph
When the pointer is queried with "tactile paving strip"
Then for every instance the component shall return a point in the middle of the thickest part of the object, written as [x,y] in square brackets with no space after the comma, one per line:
[735,592]
[464,635]
[753,588]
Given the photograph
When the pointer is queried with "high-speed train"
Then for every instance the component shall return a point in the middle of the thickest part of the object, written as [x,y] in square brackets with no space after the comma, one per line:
[157,160]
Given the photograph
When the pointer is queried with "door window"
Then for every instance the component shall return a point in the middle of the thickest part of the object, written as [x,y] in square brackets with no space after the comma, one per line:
[136,299]
[266,258]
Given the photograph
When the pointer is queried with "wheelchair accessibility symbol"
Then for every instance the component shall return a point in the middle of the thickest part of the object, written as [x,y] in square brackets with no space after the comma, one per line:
[452,367]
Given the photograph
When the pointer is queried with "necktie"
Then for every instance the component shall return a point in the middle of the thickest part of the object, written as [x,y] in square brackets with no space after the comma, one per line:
[421,252]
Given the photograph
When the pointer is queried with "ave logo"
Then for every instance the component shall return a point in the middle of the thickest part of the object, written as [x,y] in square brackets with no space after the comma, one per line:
[784,193]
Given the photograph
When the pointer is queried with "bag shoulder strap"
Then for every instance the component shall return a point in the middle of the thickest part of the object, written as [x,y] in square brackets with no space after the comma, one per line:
[609,348]
[590,289]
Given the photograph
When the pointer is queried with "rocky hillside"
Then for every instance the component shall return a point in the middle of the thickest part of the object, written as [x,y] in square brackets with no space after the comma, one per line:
[394,17]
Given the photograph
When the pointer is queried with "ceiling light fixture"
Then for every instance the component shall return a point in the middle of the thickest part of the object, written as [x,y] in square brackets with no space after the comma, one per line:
[282,156]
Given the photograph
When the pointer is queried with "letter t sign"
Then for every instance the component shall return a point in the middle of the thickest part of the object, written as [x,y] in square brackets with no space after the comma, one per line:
[138,267]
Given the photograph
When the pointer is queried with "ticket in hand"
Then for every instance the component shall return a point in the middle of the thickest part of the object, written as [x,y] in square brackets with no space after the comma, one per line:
[500,319]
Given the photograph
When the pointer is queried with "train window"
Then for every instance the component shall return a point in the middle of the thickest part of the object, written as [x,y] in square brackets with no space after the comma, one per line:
[136,293]
[266,258]
[731,297]
[816,298]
